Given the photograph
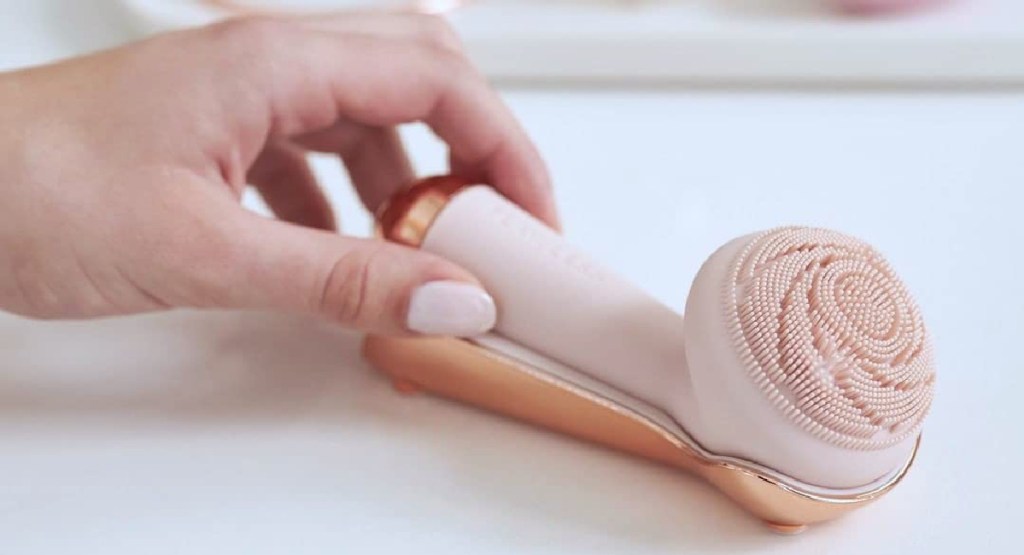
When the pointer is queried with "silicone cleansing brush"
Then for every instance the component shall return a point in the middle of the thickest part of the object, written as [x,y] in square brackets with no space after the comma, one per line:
[797,381]
[807,355]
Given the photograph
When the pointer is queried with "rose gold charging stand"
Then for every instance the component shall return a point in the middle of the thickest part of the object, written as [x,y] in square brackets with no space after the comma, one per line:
[463,371]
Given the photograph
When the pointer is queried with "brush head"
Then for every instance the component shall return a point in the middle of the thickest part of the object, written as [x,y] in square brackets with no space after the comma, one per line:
[809,356]
[831,336]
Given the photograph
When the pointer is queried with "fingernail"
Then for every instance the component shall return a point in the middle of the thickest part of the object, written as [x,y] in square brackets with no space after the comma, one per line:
[451,308]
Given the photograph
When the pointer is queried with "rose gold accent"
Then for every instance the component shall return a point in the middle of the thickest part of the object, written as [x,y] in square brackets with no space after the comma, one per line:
[407,216]
[459,370]
[405,387]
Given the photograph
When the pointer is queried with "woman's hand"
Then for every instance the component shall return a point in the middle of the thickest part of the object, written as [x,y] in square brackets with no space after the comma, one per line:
[122,172]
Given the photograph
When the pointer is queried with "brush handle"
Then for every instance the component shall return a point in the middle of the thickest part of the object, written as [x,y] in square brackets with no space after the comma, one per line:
[555,299]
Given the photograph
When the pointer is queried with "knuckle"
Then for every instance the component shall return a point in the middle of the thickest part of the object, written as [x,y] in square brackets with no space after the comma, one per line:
[439,33]
[453,68]
[253,35]
[347,289]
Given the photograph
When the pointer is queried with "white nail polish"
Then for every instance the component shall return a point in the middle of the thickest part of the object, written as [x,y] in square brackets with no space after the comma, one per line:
[451,308]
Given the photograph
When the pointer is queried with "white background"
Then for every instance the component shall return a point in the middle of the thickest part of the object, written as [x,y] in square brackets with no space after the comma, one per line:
[251,433]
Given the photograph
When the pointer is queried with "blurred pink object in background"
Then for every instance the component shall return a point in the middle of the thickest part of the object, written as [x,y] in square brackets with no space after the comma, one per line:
[238,7]
[871,7]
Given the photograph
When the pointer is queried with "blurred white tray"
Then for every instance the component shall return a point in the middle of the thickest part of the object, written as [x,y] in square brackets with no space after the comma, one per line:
[759,42]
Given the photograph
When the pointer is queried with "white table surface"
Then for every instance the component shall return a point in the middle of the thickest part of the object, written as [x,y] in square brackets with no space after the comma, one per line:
[256,433]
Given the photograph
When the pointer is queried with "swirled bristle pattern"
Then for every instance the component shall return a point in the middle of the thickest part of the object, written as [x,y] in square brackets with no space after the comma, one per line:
[831,335]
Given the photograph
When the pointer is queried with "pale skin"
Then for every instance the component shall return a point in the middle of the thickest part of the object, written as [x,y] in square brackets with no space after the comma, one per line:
[122,171]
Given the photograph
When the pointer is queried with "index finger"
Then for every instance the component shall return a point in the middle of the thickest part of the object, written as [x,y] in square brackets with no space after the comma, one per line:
[315,78]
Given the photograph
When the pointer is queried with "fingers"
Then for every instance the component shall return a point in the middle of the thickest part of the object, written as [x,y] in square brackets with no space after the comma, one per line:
[363,284]
[374,157]
[428,30]
[284,179]
[314,78]
[498,154]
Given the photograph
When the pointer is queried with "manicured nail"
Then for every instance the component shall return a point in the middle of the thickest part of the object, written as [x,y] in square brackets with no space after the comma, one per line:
[451,308]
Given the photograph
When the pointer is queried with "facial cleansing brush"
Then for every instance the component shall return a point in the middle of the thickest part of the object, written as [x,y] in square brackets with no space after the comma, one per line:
[797,381]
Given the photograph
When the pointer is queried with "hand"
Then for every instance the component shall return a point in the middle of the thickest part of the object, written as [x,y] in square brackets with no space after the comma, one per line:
[122,172]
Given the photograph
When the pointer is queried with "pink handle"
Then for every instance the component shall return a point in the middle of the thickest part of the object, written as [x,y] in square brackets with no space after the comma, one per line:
[556,300]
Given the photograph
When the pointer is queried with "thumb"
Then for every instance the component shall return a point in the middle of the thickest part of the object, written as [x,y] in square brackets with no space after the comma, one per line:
[370,285]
